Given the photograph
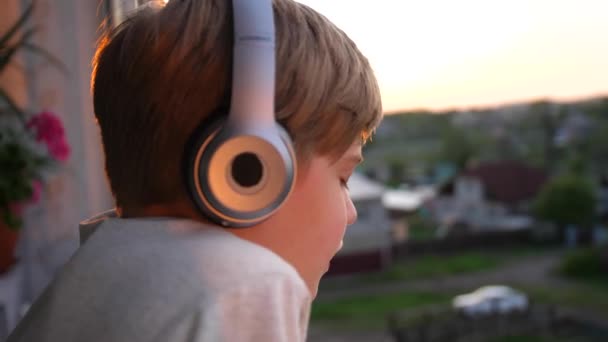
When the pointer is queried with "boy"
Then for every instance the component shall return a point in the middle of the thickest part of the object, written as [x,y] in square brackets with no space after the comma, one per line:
[156,268]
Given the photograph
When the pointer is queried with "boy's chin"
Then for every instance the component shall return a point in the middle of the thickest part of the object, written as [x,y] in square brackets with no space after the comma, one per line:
[339,247]
[329,262]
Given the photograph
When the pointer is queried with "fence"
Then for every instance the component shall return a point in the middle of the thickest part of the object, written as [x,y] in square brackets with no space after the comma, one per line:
[446,325]
[375,260]
[478,240]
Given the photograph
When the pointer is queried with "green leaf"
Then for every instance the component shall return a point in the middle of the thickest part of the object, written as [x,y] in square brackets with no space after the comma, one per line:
[12,221]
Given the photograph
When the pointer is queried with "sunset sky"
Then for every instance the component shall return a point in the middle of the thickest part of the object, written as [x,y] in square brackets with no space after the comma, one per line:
[439,54]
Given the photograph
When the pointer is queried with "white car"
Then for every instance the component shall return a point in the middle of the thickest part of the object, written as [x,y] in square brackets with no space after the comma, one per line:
[490,300]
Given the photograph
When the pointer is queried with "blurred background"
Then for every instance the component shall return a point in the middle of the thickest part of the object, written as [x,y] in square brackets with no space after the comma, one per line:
[482,201]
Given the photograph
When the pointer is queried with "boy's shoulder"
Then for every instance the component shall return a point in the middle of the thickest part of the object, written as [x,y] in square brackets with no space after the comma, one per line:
[182,248]
[165,279]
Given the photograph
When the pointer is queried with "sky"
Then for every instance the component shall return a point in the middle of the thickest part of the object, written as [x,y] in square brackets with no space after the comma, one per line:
[458,54]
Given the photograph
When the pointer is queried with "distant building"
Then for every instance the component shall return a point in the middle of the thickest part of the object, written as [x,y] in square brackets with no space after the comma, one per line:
[493,196]
[401,204]
[575,127]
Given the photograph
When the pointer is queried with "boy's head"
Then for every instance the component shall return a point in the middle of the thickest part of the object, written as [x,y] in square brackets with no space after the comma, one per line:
[166,69]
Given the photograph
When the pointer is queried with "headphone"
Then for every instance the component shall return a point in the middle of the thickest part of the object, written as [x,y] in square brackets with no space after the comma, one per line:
[241,168]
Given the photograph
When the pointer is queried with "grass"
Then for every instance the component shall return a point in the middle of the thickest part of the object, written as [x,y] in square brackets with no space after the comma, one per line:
[421,233]
[371,311]
[368,312]
[585,265]
[432,266]
[587,286]
[421,229]
[579,295]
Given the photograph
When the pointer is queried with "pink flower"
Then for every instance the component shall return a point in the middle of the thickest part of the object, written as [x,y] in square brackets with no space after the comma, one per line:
[49,130]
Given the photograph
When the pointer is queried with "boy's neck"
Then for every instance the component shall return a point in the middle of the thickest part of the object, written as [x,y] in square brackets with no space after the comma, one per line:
[159,210]
[271,235]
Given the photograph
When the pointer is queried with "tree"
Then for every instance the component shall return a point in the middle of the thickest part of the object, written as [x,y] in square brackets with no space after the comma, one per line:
[595,146]
[457,147]
[396,171]
[567,199]
[548,117]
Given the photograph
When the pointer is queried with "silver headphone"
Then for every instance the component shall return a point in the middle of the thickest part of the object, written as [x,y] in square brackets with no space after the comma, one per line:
[242,168]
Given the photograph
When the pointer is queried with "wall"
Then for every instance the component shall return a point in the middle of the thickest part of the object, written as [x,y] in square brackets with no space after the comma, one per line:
[68,30]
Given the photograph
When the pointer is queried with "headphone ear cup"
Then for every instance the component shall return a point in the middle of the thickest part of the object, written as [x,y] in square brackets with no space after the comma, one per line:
[198,140]
[238,176]
[286,137]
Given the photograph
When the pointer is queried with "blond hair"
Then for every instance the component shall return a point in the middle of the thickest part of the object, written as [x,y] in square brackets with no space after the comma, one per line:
[163,71]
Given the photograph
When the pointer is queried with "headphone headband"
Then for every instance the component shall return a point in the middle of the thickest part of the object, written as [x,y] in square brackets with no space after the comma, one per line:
[240,170]
[253,76]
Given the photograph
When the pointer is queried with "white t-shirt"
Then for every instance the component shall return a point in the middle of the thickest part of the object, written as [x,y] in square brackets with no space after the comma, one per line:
[166,279]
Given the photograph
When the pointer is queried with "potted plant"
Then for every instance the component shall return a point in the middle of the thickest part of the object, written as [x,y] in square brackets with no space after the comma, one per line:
[31,146]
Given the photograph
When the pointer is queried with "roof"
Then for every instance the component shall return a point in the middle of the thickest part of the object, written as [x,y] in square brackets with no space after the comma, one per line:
[407,200]
[362,188]
[508,181]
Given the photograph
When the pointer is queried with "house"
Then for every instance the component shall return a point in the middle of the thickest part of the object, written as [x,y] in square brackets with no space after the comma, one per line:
[402,203]
[575,127]
[493,195]
[367,242]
